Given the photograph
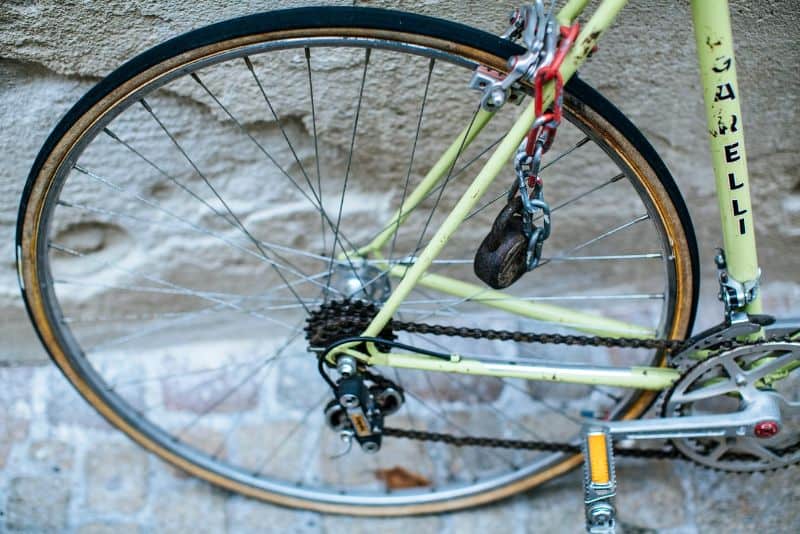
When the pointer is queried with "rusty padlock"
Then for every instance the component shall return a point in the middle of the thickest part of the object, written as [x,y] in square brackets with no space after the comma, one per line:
[501,258]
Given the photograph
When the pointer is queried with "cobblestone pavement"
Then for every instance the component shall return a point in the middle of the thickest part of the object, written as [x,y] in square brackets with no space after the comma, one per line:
[63,469]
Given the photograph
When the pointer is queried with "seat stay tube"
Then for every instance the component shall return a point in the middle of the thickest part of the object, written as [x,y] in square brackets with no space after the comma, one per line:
[712,27]
[571,10]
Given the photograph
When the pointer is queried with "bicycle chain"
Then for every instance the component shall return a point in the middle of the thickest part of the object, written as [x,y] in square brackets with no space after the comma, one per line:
[348,314]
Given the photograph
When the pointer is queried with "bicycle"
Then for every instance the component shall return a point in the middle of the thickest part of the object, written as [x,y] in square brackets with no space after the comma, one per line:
[389,245]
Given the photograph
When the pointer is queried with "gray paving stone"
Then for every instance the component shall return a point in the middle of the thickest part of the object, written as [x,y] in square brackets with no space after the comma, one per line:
[274,448]
[555,507]
[765,502]
[13,429]
[16,384]
[53,454]
[650,495]
[109,528]
[293,389]
[499,517]
[246,516]
[37,504]
[200,393]
[66,406]
[116,478]
[335,524]
[14,408]
[194,507]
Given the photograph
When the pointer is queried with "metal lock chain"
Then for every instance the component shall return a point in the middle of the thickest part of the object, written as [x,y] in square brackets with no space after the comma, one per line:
[530,188]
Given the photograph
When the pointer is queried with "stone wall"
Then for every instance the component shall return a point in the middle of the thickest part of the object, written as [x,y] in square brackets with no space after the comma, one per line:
[52,52]
[59,462]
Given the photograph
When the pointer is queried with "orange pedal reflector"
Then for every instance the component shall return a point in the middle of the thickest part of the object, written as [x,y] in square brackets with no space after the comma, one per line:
[598,458]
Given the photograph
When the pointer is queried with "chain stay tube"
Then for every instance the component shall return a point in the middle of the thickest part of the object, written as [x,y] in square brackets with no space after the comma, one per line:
[651,378]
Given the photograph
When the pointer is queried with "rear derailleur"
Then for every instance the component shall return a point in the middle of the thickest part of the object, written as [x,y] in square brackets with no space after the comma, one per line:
[363,400]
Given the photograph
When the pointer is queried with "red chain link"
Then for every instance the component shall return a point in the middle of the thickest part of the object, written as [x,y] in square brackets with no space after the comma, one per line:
[548,122]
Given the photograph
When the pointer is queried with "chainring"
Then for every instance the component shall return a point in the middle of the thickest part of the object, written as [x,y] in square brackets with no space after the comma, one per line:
[732,377]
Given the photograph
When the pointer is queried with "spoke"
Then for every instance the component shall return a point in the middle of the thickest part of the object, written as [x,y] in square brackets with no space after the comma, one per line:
[317,195]
[277,121]
[317,200]
[411,159]
[586,193]
[207,295]
[185,291]
[455,377]
[258,145]
[203,177]
[564,154]
[316,143]
[266,364]
[172,376]
[182,319]
[504,194]
[617,257]
[200,385]
[271,455]
[367,53]
[444,185]
[437,396]
[168,176]
[442,305]
[439,187]
[260,363]
[442,415]
[601,237]
[516,387]
[197,228]
[168,324]
[470,261]
[537,398]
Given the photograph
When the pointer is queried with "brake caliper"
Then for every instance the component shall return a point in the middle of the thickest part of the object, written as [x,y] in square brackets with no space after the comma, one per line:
[514,244]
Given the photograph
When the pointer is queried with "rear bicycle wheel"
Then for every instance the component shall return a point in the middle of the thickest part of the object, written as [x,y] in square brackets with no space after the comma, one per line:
[190,211]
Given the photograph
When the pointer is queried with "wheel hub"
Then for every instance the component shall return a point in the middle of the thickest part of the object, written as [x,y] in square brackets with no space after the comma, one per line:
[358,280]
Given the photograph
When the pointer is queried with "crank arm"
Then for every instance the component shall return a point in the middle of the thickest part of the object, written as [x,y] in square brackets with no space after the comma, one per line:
[763,409]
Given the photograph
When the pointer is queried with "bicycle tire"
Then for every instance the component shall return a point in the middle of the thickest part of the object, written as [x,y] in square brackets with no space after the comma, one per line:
[582,102]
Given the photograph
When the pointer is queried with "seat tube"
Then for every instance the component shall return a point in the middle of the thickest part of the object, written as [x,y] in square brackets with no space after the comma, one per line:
[712,28]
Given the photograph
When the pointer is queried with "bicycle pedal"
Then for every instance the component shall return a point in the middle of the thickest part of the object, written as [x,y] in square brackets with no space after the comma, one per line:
[600,484]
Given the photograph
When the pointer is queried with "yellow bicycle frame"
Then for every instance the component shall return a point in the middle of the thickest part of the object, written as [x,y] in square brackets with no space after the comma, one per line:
[721,94]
